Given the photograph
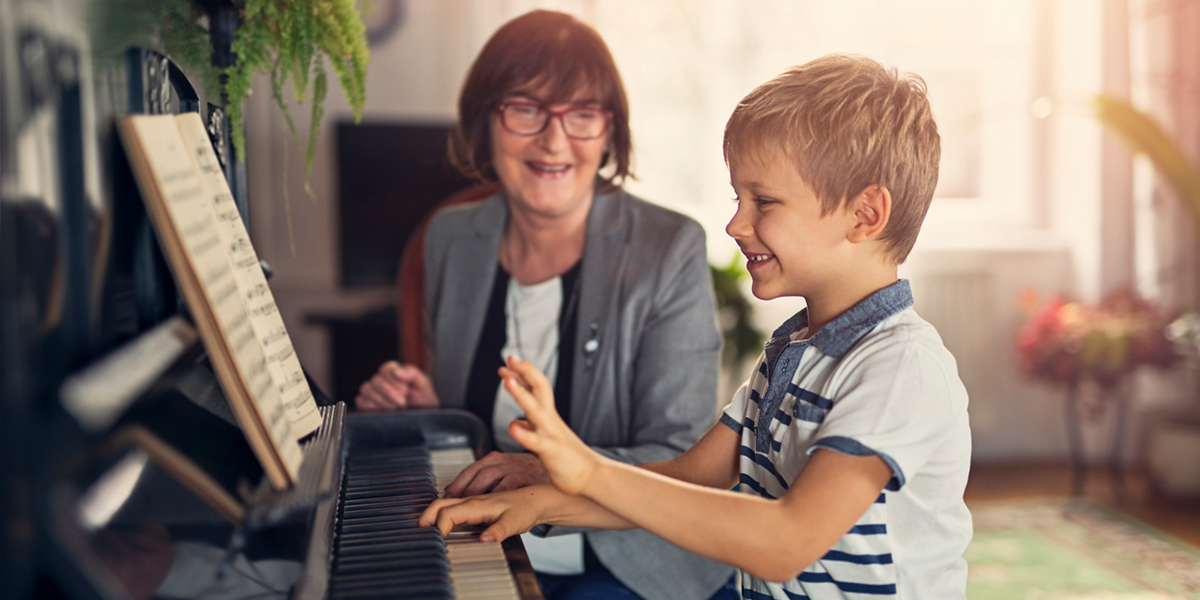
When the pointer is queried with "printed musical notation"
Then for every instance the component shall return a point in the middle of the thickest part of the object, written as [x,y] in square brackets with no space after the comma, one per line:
[264,315]
[180,207]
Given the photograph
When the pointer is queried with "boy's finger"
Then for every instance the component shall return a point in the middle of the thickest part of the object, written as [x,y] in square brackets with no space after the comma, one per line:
[430,515]
[499,531]
[495,533]
[533,377]
[526,400]
[507,373]
[445,522]
[540,395]
[523,433]
[540,416]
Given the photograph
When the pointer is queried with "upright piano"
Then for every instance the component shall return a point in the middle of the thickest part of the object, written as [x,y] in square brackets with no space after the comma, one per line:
[111,412]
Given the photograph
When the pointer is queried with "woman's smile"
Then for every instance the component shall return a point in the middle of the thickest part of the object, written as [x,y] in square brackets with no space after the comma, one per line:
[548,170]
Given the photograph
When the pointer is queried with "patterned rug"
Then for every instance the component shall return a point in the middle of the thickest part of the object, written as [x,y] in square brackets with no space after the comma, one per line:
[1076,550]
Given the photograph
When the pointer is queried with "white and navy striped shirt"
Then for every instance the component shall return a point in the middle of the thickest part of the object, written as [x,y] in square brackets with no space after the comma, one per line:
[876,380]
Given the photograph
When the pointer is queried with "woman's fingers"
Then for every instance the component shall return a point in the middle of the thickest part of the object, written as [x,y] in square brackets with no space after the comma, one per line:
[371,399]
[420,389]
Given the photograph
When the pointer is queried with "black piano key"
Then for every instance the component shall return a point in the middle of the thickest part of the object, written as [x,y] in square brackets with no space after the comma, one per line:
[417,533]
[394,576]
[390,564]
[397,463]
[420,500]
[386,492]
[392,582]
[400,486]
[352,515]
[364,551]
[404,522]
[359,552]
[380,552]
[361,454]
[389,471]
[432,589]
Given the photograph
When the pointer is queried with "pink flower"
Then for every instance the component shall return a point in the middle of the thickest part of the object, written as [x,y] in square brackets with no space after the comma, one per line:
[1064,341]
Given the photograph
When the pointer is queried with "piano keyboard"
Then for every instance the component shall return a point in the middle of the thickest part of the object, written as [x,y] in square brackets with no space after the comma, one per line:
[380,552]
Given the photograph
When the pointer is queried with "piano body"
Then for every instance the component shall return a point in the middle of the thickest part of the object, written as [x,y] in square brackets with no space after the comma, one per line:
[111,412]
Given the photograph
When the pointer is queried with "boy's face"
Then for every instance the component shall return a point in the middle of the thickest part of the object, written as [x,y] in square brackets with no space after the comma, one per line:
[791,249]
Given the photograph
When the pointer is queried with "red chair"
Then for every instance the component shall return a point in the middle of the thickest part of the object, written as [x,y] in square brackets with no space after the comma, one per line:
[410,281]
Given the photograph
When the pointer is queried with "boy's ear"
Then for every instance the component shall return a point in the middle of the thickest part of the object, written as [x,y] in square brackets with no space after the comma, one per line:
[872,210]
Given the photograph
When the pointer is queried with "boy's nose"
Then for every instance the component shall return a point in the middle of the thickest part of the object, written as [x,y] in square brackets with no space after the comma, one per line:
[739,226]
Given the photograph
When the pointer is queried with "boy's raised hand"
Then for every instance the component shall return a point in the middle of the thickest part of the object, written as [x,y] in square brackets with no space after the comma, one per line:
[568,460]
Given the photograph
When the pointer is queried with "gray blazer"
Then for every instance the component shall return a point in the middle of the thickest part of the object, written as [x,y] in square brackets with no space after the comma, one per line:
[646,352]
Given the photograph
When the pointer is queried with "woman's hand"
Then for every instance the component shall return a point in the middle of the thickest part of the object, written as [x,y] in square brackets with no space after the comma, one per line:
[396,386]
[510,513]
[569,462]
[498,472]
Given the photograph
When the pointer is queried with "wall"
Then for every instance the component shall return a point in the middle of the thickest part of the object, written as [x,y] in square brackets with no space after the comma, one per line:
[1023,209]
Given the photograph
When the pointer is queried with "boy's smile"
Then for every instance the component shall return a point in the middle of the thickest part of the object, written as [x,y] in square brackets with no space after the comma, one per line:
[790,248]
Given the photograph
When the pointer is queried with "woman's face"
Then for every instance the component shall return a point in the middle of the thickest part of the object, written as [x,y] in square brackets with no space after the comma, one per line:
[549,174]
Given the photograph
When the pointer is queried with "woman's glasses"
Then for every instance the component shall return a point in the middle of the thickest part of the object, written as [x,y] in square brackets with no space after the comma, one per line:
[524,117]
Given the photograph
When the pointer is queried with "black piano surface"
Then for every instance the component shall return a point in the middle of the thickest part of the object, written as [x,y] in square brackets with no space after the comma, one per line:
[128,527]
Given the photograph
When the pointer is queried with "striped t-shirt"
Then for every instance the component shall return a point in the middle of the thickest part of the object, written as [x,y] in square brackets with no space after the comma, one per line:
[876,380]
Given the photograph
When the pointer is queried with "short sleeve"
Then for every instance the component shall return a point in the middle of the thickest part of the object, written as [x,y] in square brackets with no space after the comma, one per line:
[736,412]
[896,398]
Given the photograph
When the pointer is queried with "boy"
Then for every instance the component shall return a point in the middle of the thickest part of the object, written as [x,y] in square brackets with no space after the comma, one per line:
[849,444]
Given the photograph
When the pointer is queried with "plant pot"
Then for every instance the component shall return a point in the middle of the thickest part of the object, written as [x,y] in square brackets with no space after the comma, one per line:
[1173,455]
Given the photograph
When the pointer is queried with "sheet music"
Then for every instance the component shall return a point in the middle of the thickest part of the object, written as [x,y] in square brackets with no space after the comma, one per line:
[185,223]
[256,293]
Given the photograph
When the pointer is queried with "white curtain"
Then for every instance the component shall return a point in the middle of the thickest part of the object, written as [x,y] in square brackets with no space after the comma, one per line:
[1171,87]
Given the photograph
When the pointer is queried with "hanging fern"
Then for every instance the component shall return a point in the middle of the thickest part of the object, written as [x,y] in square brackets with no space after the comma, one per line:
[292,40]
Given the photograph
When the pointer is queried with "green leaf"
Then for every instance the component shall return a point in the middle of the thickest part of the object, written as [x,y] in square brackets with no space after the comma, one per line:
[290,39]
[314,126]
[1143,135]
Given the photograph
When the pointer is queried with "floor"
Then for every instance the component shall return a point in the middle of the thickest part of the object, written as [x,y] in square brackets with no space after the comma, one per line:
[1179,517]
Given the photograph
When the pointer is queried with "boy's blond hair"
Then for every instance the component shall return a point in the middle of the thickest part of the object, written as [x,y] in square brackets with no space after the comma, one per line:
[846,122]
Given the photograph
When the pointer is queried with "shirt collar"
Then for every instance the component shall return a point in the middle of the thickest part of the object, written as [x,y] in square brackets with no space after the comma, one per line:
[837,336]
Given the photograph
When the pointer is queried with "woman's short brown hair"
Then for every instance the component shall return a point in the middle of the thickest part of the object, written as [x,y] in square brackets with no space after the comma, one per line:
[846,122]
[553,54]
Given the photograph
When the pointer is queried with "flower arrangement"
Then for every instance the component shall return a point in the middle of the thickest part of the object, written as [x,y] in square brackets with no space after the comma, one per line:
[1066,341]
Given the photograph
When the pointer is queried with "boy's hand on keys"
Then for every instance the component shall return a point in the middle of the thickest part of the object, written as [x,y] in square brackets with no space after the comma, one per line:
[568,460]
[506,514]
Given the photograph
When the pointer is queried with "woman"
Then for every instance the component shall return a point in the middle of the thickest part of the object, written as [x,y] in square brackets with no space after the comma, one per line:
[608,294]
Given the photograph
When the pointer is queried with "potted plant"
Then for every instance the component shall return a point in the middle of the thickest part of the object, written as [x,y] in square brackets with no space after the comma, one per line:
[1173,445]
[1070,344]
[292,40]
